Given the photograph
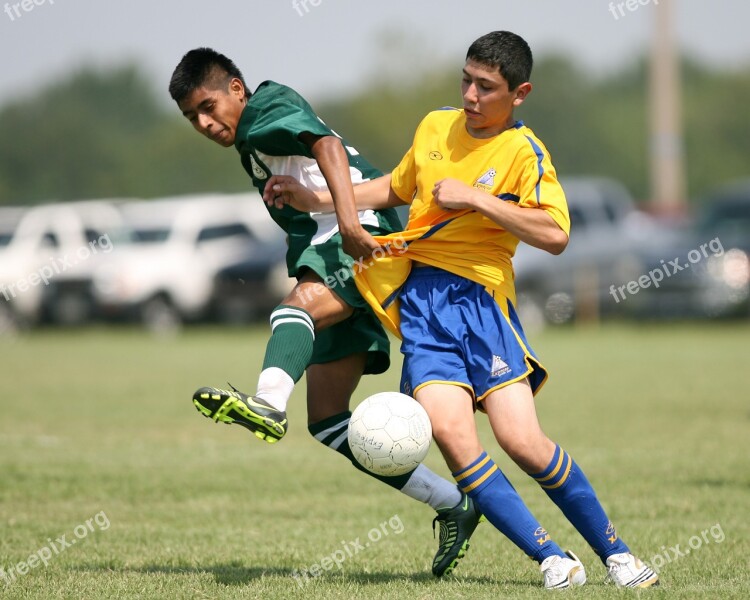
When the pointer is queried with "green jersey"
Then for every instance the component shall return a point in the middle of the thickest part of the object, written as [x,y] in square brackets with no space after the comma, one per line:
[268,142]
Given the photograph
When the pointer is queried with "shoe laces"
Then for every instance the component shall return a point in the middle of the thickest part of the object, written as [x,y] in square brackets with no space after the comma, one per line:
[553,569]
[622,570]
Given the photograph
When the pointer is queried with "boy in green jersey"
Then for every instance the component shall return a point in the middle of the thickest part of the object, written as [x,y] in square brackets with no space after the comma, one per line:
[323,326]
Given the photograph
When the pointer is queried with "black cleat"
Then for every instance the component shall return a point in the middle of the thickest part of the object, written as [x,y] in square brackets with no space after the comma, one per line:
[224,406]
[456,526]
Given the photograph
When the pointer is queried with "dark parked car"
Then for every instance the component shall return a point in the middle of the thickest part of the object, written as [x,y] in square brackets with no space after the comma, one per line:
[249,290]
[706,271]
[606,234]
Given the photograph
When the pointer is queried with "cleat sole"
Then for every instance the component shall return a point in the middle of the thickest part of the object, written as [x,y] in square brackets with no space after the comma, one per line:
[268,429]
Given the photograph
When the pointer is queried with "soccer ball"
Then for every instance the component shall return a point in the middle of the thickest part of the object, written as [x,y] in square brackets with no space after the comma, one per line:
[389,433]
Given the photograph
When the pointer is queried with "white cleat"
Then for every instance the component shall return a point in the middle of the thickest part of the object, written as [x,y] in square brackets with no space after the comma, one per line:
[561,572]
[628,571]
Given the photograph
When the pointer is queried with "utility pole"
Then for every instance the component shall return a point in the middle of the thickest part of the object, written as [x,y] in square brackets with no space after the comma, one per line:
[668,188]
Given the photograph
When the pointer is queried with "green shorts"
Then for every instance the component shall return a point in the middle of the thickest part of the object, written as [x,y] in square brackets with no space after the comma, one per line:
[362,332]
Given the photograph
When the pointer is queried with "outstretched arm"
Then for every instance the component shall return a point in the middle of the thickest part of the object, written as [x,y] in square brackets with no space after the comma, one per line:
[333,161]
[284,189]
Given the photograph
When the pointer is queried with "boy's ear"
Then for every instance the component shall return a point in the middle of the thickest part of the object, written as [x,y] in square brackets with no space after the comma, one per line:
[237,88]
[521,92]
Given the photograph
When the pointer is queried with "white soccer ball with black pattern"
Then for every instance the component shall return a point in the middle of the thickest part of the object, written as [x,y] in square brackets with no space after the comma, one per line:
[389,433]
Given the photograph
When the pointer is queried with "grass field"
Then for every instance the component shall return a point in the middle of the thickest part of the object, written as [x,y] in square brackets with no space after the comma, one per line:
[98,426]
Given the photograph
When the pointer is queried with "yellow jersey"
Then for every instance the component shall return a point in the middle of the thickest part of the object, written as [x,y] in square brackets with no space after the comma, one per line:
[513,166]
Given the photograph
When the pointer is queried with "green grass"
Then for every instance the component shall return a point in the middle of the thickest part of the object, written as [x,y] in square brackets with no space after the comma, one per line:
[101,420]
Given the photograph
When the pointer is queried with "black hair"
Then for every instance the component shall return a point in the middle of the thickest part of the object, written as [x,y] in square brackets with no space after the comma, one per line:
[507,52]
[202,67]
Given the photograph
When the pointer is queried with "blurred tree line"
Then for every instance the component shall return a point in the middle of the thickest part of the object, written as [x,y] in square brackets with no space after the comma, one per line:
[106,134]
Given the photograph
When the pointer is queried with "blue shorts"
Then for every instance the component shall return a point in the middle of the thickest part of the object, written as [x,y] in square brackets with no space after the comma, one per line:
[454,331]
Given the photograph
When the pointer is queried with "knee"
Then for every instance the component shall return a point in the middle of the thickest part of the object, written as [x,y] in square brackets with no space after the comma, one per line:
[448,436]
[532,454]
[442,431]
[459,448]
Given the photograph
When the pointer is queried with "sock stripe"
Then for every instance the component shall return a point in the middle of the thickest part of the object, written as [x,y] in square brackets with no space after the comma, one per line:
[471,470]
[330,437]
[541,478]
[563,477]
[481,480]
[480,473]
[278,322]
[290,310]
[329,424]
[297,313]
[338,441]
[331,432]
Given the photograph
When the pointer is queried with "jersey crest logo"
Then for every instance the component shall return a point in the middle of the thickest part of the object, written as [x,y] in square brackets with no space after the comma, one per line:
[487,180]
[499,367]
[435,155]
[258,171]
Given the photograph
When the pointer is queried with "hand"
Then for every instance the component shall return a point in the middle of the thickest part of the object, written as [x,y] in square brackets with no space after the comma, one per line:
[359,244]
[281,190]
[453,194]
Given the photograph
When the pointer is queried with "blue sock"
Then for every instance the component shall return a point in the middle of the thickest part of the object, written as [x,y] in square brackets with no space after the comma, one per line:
[567,486]
[503,507]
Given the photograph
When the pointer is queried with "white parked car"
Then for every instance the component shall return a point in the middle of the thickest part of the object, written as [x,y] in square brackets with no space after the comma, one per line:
[9,218]
[51,246]
[166,271]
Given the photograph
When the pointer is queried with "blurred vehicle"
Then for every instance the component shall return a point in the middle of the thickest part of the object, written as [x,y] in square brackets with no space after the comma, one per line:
[713,255]
[9,218]
[606,234]
[249,290]
[165,270]
[53,248]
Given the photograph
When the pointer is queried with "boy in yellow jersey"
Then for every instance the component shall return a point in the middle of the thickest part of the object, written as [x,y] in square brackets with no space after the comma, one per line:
[478,182]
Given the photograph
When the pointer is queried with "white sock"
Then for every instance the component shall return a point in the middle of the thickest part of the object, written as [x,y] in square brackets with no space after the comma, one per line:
[275,386]
[430,488]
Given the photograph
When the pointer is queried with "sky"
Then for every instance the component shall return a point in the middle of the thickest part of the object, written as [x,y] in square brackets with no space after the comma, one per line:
[329,48]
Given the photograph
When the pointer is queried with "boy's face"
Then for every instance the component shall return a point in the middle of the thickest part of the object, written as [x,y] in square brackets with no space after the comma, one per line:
[216,112]
[488,103]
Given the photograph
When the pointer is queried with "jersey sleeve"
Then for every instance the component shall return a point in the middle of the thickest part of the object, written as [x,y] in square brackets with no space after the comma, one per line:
[539,187]
[279,122]
[404,177]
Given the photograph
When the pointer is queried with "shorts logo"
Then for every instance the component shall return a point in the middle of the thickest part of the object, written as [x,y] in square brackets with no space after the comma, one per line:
[499,366]
[435,155]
